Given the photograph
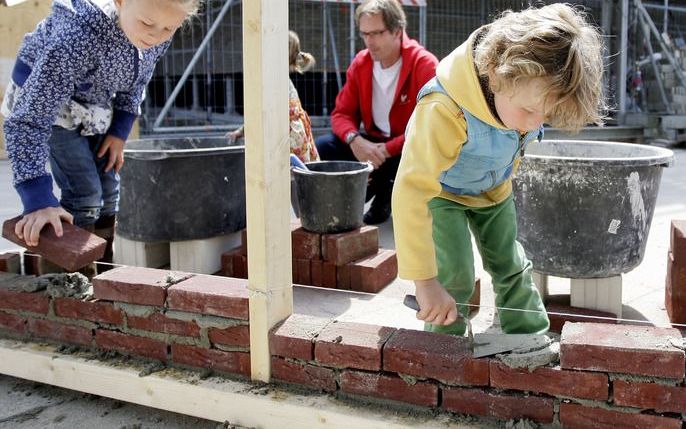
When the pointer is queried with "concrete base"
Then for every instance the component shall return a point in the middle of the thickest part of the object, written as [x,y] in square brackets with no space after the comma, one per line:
[598,294]
[201,256]
[140,253]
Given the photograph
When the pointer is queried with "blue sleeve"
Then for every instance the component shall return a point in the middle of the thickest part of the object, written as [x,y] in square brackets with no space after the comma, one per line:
[28,127]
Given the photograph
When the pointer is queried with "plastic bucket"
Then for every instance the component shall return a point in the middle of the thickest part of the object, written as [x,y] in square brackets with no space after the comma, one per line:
[331,195]
[584,208]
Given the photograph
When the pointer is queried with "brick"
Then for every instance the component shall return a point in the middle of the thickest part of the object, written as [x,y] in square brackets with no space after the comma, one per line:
[12,298]
[12,323]
[343,277]
[135,285]
[131,345]
[551,381]
[560,304]
[505,407]
[238,336]
[227,261]
[303,272]
[304,374]
[641,350]
[329,275]
[244,242]
[351,345]
[306,245]
[389,387]
[373,273]
[574,416]
[675,290]
[158,322]
[93,311]
[75,249]
[446,358]
[216,296]
[649,396]
[230,362]
[294,337]
[677,237]
[10,262]
[59,332]
[345,247]
[37,265]
[316,273]
[240,266]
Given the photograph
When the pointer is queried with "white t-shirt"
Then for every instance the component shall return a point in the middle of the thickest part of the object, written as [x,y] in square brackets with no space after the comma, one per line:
[384,82]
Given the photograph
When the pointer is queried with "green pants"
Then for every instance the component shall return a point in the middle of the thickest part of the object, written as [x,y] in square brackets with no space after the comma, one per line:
[495,232]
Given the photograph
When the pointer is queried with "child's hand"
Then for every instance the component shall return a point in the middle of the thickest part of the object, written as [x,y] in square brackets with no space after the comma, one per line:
[234,135]
[436,304]
[115,146]
[30,226]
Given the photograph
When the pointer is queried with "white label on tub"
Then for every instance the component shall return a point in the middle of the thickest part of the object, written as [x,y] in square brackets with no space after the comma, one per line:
[614,226]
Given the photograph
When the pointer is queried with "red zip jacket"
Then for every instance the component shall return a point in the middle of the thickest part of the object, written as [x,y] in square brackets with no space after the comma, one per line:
[354,102]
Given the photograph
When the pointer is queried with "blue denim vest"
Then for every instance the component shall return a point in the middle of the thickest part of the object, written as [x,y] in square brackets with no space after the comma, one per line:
[487,157]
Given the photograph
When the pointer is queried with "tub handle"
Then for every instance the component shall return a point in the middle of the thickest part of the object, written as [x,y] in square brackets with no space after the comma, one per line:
[148,156]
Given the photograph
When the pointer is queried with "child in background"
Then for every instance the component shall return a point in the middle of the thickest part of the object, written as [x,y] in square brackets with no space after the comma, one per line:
[75,91]
[300,129]
[464,141]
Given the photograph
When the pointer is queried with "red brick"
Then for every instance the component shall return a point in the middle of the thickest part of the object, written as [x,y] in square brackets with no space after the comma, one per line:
[345,247]
[304,374]
[306,245]
[10,262]
[446,358]
[158,322]
[560,304]
[37,265]
[574,416]
[231,362]
[316,273]
[303,272]
[552,381]
[351,345]
[678,241]
[227,261]
[130,344]
[240,266]
[238,336]
[59,332]
[329,275]
[675,290]
[12,323]
[389,387]
[94,311]
[505,407]
[135,285]
[642,350]
[217,296]
[294,337]
[343,277]
[11,297]
[649,396]
[75,249]
[373,273]
[244,242]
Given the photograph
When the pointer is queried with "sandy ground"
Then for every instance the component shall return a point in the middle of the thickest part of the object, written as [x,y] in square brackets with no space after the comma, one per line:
[24,404]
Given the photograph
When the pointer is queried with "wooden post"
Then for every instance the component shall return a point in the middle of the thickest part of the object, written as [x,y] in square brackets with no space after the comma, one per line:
[265,71]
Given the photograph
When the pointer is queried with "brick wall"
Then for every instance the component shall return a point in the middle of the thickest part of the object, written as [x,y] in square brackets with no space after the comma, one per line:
[608,376]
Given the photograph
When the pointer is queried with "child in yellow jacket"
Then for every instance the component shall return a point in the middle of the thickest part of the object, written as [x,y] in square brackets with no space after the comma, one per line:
[471,125]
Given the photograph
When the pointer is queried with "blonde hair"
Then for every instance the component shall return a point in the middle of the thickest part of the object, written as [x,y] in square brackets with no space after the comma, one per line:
[191,6]
[553,42]
[298,61]
[390,10]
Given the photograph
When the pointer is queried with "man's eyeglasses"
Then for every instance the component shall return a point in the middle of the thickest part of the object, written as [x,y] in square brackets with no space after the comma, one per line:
[372,34]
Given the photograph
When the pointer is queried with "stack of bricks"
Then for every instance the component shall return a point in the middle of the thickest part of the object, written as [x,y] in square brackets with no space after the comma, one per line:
[675,284]
[675,92]
[349,260]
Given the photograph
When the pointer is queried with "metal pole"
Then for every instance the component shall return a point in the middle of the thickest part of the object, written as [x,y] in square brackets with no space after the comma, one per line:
[606,23]
[422,25]
[353,31]
[660,86]
[208,72]
[194,60]
[325,59]
[621,66]
[334,51]
[665,17]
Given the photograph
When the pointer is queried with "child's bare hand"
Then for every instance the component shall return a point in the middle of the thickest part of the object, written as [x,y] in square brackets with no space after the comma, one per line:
[30,226]
[436,304]
[115,146]
[234,135]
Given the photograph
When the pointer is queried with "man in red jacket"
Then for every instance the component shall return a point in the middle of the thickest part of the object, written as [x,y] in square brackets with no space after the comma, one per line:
[380,91]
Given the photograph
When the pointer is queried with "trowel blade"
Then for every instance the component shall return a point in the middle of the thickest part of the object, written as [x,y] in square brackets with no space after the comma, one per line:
[493,344]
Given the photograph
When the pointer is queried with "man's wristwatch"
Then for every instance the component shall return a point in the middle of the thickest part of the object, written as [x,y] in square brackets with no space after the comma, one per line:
[351,136]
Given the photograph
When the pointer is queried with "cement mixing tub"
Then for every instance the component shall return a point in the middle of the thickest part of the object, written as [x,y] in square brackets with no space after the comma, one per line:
[584,207]
[176,189]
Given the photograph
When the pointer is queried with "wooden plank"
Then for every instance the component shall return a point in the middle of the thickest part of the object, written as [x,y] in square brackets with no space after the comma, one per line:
[265,65]
[218,399]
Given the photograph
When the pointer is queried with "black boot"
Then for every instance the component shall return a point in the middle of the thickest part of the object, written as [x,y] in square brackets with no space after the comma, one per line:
[104,228]
[380,209]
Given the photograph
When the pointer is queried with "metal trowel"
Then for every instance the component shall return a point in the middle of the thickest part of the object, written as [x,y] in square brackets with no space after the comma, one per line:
[483,345]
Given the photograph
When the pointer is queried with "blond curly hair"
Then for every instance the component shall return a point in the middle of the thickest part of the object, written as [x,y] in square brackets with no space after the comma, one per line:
[554,42]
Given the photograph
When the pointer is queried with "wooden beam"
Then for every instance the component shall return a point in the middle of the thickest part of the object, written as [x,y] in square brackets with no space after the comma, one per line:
[218,399]
[265,70]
